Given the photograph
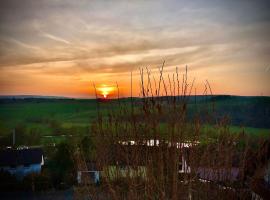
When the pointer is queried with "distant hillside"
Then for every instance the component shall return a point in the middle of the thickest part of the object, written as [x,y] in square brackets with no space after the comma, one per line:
[242,111]
[31,97]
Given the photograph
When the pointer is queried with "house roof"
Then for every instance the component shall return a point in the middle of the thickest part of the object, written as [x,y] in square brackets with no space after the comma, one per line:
[220,174]
[14,157]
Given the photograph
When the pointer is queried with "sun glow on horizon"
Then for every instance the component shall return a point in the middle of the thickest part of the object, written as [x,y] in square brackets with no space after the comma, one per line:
[105,90]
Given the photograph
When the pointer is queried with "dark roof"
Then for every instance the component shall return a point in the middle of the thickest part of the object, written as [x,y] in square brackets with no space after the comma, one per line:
[220,175]
[14,157]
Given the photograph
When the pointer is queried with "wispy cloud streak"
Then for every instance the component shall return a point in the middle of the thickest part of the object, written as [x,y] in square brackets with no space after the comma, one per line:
[55,38]
[67,40]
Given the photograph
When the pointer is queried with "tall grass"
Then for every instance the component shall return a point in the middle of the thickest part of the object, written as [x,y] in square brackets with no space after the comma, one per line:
[131,169]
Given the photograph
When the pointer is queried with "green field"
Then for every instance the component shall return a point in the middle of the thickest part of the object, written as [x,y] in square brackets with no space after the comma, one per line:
[56,117]
[73,117]
[34,112]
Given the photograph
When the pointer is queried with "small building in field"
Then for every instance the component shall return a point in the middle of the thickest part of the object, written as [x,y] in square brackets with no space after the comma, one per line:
[21,162]
[91,175]
[266,177]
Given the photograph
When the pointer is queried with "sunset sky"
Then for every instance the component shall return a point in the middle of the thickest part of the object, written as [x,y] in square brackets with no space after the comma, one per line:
[60,48]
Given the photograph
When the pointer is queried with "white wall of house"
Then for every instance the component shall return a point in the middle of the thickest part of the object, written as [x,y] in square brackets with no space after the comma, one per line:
[267,174]
[185,168]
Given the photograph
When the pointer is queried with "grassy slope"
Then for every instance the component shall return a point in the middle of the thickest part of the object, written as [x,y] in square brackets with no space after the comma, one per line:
[80,113]
[37,114]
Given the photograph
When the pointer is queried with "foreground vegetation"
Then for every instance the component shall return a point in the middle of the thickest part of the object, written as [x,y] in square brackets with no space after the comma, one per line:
[224,132]
[158,149]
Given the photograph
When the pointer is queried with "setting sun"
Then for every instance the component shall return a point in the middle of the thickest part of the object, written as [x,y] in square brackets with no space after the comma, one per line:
[105,90]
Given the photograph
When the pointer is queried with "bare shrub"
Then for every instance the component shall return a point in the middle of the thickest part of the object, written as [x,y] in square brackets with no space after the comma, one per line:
[149,149]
